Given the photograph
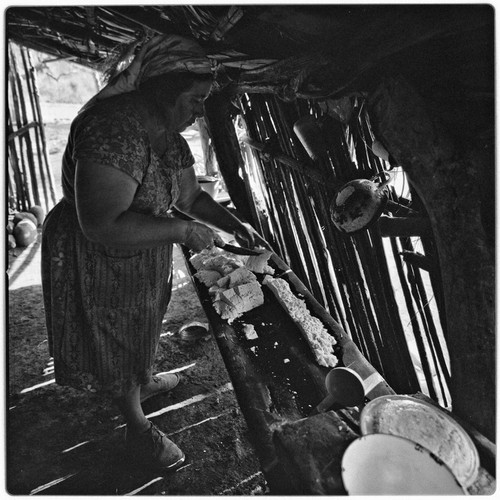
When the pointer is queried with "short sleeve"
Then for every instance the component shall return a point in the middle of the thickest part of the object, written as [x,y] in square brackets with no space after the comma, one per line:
[112,137]
[187,159]
[177,155]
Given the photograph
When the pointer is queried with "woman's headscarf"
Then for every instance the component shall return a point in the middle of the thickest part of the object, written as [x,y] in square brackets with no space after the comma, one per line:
[160,55]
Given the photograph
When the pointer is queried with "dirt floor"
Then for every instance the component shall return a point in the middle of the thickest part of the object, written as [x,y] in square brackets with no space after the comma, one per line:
[62,441]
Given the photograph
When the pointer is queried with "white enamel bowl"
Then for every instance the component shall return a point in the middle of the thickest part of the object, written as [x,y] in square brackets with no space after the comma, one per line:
[381,464]
[426,425]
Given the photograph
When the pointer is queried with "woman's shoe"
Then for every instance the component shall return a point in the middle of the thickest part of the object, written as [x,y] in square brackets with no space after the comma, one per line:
[159,384]
[153,449]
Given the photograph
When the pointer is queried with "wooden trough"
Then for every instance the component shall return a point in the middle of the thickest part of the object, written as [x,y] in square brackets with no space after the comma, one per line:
[278,382]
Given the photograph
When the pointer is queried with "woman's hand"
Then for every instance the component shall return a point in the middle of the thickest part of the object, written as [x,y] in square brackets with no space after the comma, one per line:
[247,237]
[199,236]
[198,204]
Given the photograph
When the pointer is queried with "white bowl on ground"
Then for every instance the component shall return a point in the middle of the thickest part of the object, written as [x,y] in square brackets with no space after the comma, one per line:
[381,464]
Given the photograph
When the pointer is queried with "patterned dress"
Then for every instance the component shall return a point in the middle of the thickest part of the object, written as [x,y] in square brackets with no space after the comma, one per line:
[104,306]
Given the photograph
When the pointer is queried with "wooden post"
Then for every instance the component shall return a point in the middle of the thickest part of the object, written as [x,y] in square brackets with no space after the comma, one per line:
[206,146]
[447,178]
[227,149]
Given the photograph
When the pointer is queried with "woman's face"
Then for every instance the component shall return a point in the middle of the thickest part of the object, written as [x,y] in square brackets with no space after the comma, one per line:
[189,104]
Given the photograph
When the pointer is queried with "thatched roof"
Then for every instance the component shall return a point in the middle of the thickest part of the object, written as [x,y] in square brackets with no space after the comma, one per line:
[319,48]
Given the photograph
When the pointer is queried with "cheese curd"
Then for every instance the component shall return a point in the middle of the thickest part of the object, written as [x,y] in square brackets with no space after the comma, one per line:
[318,338]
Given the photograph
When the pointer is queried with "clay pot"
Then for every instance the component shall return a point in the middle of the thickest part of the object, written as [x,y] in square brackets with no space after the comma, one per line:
[25,232]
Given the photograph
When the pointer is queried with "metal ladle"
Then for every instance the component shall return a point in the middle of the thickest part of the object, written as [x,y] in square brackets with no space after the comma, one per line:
[345,389]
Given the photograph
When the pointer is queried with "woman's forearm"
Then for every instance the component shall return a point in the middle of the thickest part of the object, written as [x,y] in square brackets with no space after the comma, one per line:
[206,209]
[135,230]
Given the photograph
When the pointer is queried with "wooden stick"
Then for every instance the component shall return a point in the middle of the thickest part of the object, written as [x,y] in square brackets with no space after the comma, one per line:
[227,23]
[28,77]
[23,120]
[413,319]
[284,159]
[372,318]
[24,193]
[300,208]
[429,247]
[45,163]
[395,346]
[18,180]
[417,259]
[404,226]
[433,340]
[21,131]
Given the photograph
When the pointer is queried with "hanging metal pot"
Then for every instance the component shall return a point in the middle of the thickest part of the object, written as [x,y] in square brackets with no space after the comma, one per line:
[359,203]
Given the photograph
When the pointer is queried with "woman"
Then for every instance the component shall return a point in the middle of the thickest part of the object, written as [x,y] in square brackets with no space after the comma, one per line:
[107,245]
